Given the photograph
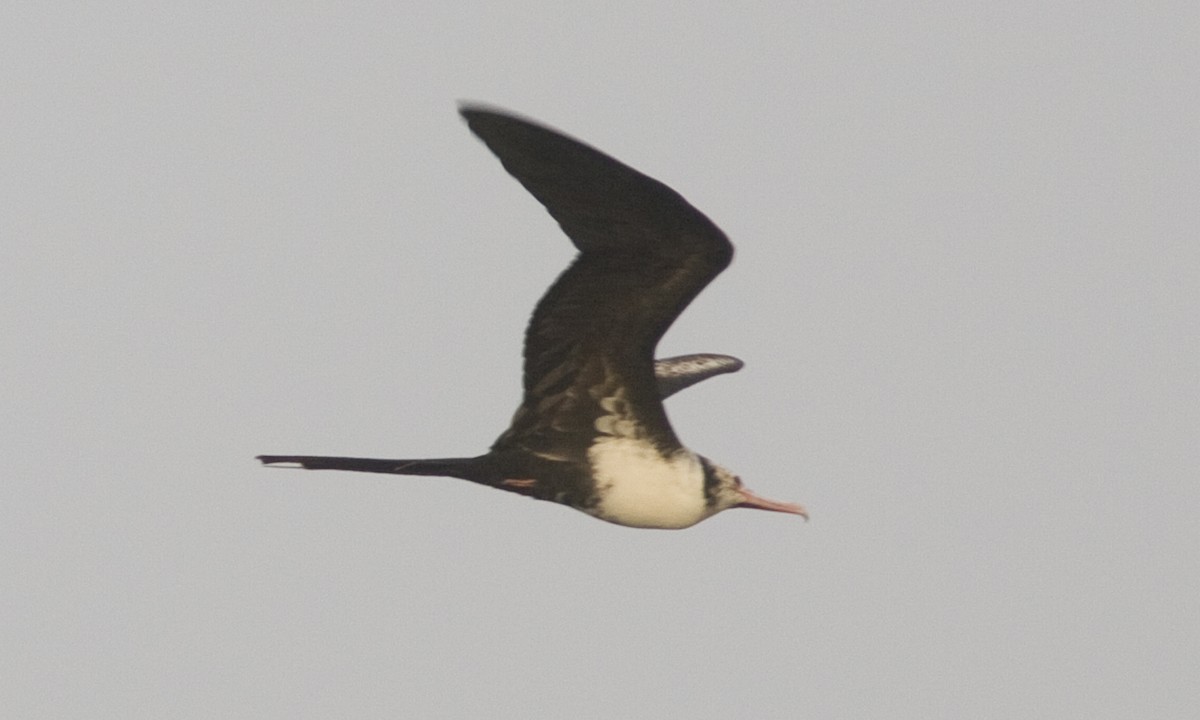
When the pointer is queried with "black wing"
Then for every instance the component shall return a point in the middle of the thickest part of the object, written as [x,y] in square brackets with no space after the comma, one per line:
[644,254]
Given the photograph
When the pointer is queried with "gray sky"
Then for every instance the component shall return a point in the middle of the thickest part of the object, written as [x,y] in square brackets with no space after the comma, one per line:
[965,291]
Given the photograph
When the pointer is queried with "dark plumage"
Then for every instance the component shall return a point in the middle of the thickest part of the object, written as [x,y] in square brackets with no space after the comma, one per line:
[591,431]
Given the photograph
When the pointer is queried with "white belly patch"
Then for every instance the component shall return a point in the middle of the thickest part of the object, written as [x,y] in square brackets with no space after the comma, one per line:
[638,487]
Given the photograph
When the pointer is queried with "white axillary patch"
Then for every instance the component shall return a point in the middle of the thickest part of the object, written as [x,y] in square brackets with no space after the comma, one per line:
[618,421]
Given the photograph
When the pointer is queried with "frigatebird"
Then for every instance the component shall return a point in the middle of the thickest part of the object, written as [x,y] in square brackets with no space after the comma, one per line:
[591,431]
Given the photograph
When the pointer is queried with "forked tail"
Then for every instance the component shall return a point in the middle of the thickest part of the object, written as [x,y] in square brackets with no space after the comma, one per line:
[443,467]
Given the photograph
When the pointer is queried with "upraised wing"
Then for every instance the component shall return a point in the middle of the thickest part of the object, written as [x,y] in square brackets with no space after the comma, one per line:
[644,254]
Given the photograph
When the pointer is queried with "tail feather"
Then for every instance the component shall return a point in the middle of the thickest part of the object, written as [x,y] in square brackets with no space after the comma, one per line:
[444,467]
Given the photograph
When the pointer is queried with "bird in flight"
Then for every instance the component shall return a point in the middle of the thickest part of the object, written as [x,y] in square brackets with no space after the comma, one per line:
[591,431]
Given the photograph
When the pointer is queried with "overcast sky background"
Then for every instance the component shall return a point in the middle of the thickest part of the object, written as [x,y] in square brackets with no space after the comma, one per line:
[965,291]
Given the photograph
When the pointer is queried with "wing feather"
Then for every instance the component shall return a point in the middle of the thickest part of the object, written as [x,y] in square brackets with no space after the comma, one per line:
[644,254]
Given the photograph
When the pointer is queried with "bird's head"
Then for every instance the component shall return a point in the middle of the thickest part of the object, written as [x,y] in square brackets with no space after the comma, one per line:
[724,490]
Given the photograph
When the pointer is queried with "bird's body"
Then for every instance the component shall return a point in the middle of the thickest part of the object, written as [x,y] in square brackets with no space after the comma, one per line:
[591,431]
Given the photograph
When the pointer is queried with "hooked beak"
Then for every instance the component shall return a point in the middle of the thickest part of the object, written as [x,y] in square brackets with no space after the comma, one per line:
[750,500]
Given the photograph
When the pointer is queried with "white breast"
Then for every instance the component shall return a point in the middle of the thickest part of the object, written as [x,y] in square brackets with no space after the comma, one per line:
[638,487]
